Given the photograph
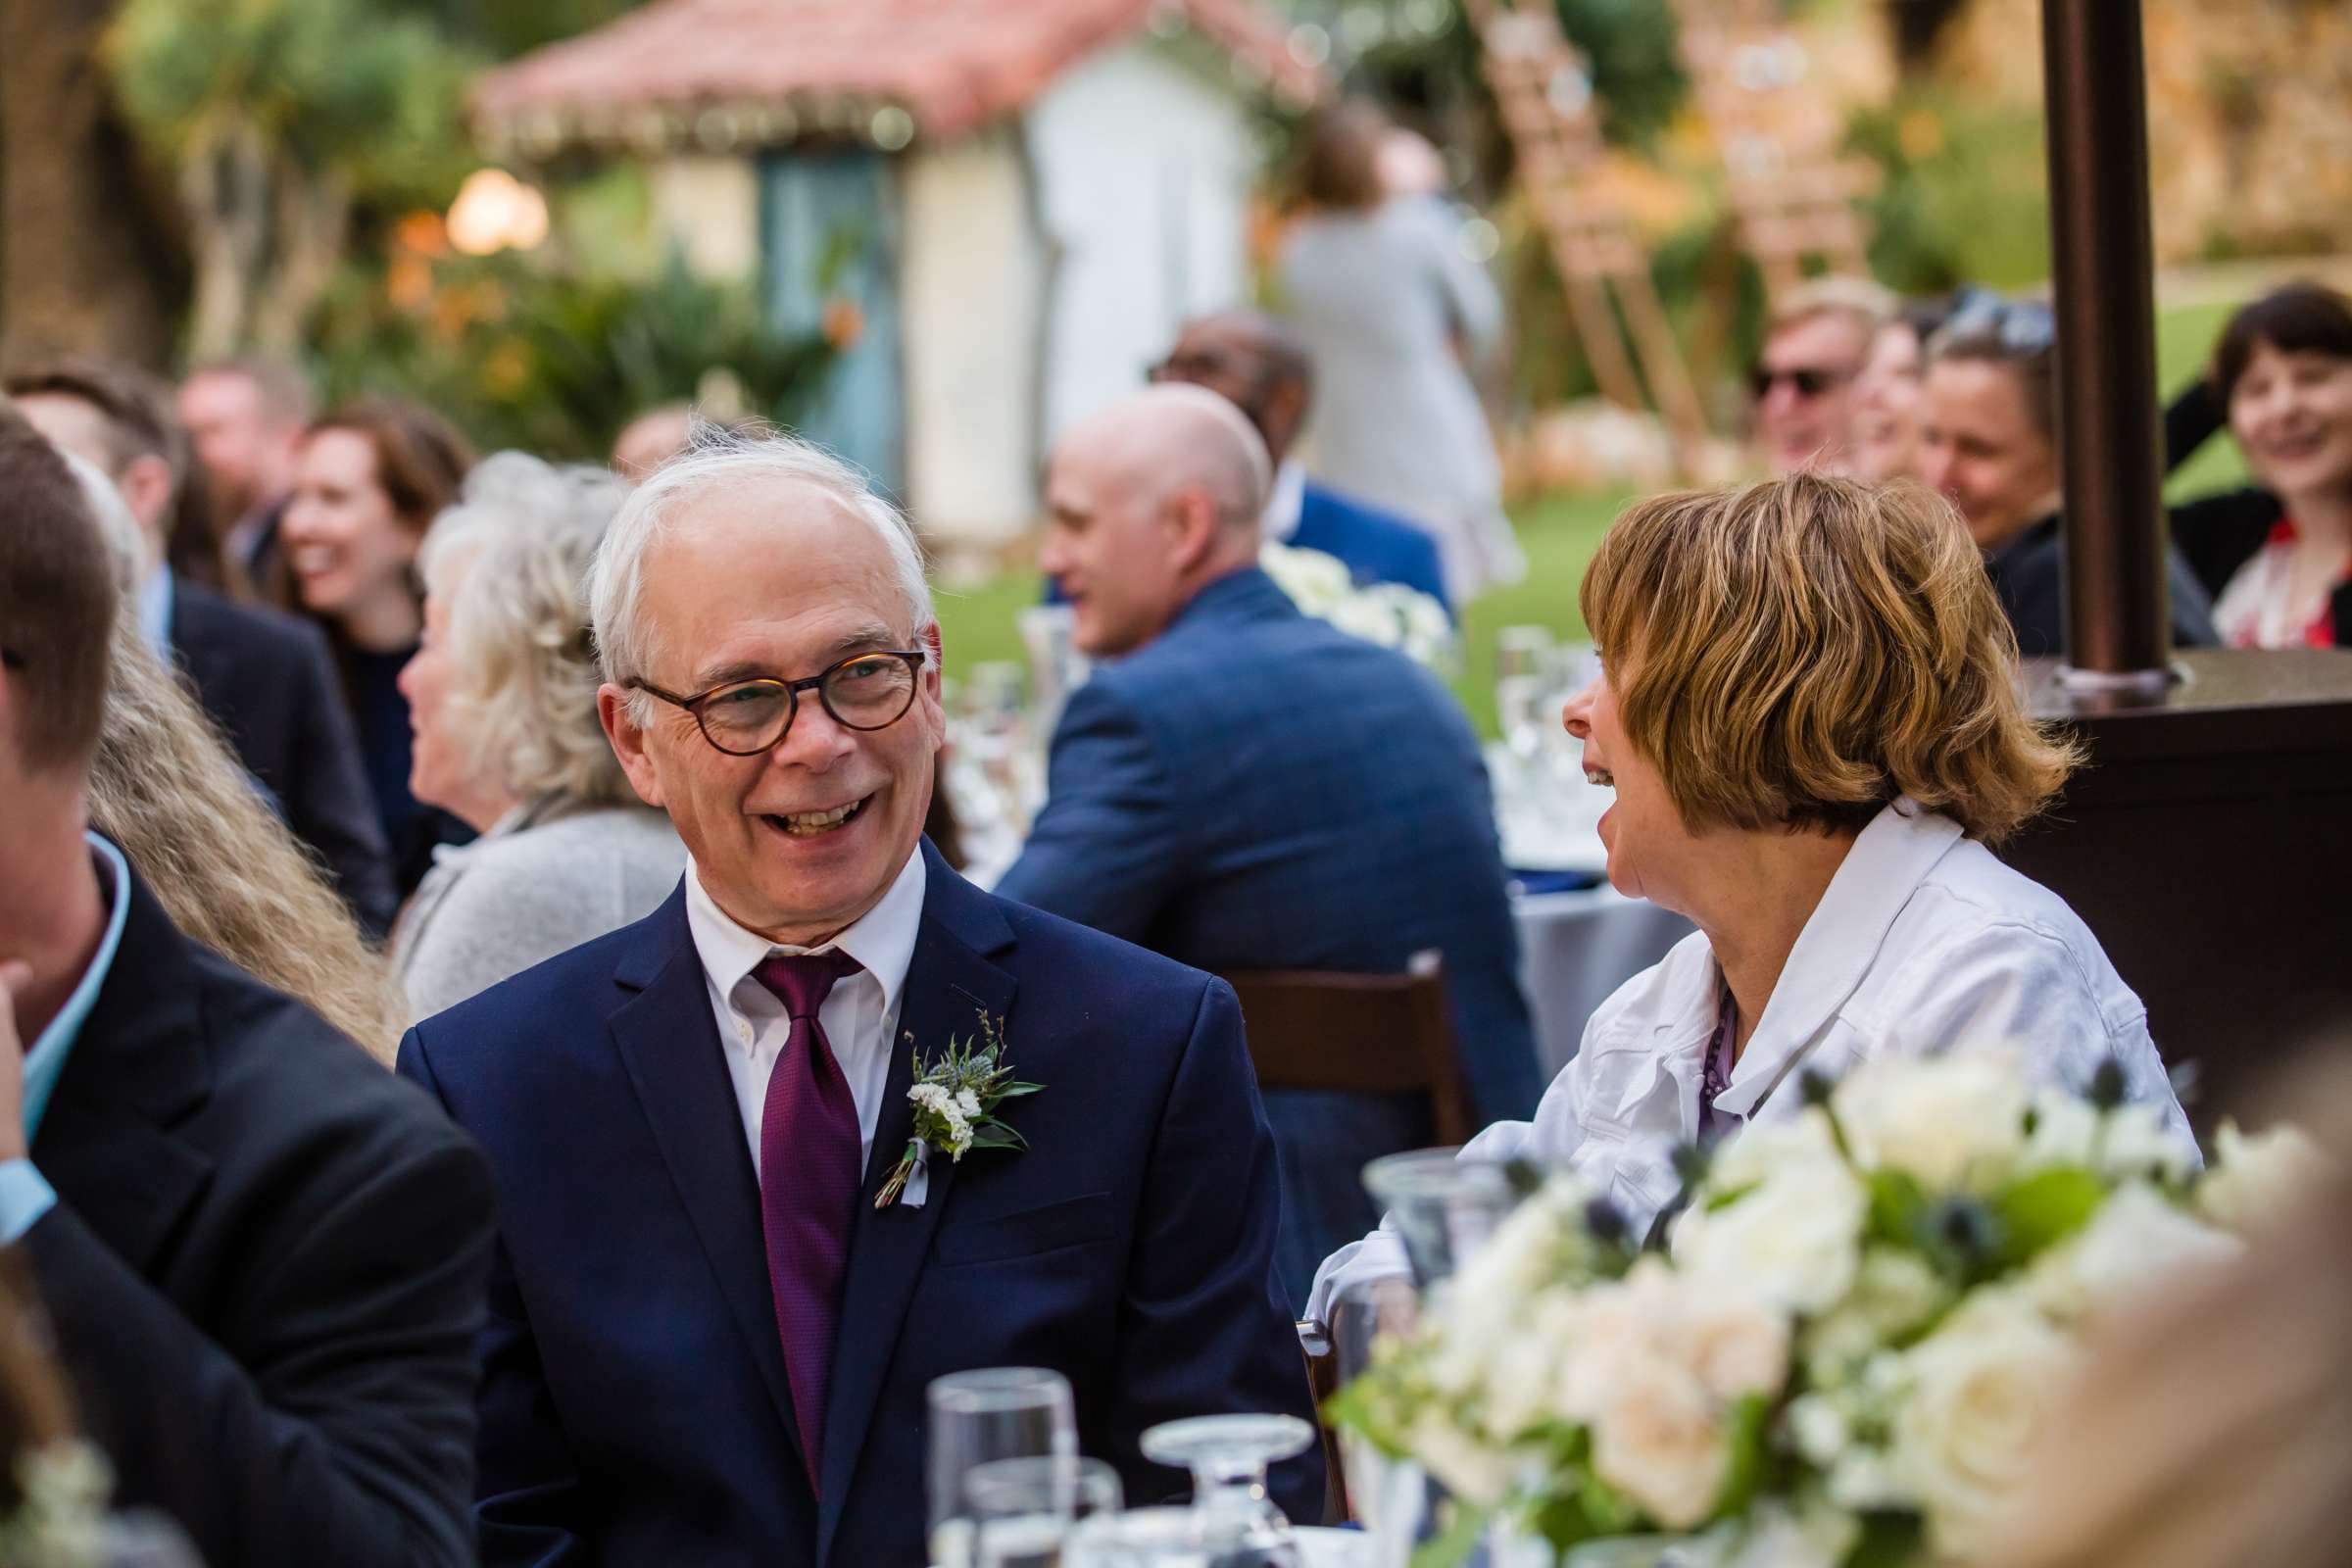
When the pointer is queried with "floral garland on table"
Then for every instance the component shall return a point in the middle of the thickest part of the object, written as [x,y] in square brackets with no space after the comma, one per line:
[1388,613]
[1860,1323]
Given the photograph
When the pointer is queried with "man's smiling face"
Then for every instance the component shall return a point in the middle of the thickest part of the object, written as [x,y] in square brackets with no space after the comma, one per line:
[775,580]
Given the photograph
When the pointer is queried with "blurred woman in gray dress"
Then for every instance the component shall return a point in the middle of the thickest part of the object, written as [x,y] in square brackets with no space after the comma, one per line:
[1391,307]
[502,694]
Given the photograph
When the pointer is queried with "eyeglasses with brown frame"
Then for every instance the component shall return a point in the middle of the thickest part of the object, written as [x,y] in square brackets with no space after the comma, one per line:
[868,691]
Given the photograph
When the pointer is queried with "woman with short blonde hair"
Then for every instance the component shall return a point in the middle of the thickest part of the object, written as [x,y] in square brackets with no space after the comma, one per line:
[1808,712]
[502,696]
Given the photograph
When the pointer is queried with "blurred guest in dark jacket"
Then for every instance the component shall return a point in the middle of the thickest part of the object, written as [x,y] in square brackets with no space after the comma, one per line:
[372,477]
[246,418]
[1242,787]
[265,678]
[1989,439]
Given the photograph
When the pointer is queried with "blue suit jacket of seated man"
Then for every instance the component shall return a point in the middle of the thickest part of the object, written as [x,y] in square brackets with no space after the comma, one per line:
[634,1403]
[1374,545]
[1255,789]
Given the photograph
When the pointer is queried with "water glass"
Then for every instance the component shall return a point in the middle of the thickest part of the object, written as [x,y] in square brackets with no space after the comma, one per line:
[1522,681]
[1443,1208]
[1140,1538]
[1017,1412]
[1023,1511]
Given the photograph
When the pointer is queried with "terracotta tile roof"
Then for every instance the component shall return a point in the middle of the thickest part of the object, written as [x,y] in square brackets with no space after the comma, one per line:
[767,69]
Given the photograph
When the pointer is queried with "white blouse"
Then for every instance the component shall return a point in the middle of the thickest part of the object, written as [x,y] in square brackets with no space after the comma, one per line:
[1924,942]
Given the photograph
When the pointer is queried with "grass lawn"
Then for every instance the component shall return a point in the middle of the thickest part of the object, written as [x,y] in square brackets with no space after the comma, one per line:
[1560,533]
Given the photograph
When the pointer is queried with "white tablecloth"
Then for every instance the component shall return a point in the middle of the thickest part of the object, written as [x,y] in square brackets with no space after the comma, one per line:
[1575,948]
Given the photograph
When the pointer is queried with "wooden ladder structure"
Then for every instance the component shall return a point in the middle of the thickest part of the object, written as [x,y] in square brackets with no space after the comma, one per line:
[1543,88]
[1791,189]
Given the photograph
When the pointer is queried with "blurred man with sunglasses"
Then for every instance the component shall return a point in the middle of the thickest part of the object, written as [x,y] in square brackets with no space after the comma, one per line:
[1814,347]
[716,1309]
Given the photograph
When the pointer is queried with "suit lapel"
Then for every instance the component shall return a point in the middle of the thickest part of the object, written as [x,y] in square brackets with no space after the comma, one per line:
[949,984]
[668,1041]
[137,1069]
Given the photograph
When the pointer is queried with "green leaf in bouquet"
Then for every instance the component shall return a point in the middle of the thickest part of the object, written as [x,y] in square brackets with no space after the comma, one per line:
[1898,1201]
[995,1134]
[1466,1528]
[1892,1538]
[1731,1194]
[1749,1433]
[2045,1208]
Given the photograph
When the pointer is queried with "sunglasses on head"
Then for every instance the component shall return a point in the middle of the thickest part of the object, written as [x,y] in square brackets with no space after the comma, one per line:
[2021,326]
[1809,382]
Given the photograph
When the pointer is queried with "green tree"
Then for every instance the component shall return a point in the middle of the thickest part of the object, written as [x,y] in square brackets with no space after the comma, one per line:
[278,117]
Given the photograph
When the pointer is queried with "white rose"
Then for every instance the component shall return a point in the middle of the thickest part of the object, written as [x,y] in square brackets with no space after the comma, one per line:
[1864,1479]
[1471,1470]
[1755,1153]
[1894,1292]
[1937,1117]
[1794,1239]
[1816,1538]
[1312,579]
[1360,616]
[1982,1390]
[1819,1428]
[1735,1341]
[2256,1178]
[1522,1367]
[1660,1440]
[2138,1238]
[2139,1141]
[2064,1126]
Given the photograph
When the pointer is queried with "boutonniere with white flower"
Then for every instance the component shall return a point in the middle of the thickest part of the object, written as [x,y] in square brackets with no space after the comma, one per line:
[956,1100]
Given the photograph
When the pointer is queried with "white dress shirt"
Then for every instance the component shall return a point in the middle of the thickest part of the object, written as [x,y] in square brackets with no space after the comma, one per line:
[1924,942]
[1285,503]
[860,1015]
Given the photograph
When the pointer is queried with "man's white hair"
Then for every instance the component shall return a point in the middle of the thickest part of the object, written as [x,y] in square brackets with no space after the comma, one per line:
[719,458]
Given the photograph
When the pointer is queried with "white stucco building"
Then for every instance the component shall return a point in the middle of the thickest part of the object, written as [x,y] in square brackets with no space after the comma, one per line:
[1009,205]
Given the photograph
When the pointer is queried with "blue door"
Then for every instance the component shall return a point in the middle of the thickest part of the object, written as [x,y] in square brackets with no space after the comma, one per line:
[829,252]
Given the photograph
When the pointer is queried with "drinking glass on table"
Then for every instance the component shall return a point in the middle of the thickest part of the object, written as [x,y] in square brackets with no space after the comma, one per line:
[1011,1412]
[1229,1456]
[1140,1538]
[1023,1511]
[1523,680]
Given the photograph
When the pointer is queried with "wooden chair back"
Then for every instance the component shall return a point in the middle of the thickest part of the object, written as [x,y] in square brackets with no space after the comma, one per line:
[1374,1034]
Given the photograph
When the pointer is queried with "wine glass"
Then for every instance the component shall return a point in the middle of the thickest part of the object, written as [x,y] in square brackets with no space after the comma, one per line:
[1523,656]
[1010,1412]
[1228,1456]
[1023,1511]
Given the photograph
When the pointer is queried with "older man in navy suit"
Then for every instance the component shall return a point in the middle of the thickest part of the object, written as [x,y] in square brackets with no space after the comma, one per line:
[712,1324]
[1242,787]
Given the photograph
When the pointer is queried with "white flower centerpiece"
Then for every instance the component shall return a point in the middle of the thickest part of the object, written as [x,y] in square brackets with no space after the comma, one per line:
[1843,1352]
[1388,613]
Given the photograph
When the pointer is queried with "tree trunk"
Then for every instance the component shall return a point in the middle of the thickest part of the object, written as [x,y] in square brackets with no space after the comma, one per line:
[88,260]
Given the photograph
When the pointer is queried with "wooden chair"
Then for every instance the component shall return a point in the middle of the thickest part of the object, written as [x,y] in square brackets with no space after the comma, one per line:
[1323,1377]
[1374,1034]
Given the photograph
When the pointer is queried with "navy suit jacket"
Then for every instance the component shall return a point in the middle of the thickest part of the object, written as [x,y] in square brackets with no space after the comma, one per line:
[269,681]
[634,1406]
[1376,546]
[1255,789]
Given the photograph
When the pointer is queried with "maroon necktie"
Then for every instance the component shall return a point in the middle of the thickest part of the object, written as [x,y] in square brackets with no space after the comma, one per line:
[808,1179]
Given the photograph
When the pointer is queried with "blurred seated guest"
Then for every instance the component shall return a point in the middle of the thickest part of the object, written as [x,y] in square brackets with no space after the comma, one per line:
[1381,295]
[652,439]
[166,787]
[261,1253]
[369,480]
[1883,442]
[1816,344]
[263,675]
[1808,712]
[1989,439]
[502,693]
[2279,560]
[246,419]
[1242,787]
[1262,367]
[723,1293]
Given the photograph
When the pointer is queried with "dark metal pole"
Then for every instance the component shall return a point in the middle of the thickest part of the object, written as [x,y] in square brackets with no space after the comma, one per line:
[2094,94]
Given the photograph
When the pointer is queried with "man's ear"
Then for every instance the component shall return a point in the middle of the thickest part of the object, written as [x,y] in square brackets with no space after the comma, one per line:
[628,742]
[1192,526]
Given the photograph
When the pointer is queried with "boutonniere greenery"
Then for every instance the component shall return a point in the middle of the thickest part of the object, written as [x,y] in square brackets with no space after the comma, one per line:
[956,1100]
